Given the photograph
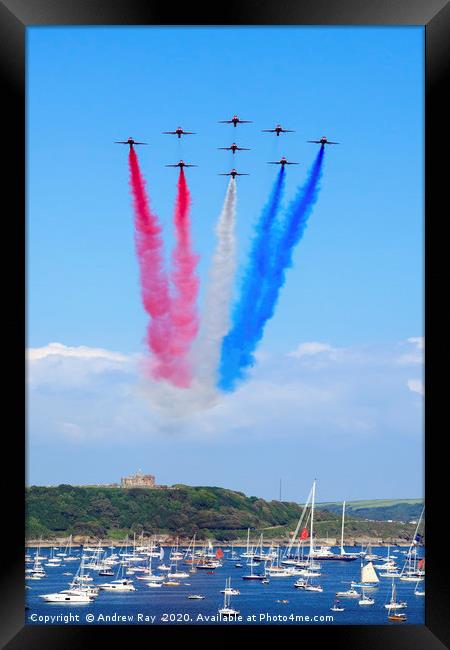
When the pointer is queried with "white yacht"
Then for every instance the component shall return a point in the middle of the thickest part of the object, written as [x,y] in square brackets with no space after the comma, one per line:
[122,584]
[66,597]
[229,590]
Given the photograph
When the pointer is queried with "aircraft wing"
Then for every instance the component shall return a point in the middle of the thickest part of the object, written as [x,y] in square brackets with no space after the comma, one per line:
[140,142]
[225,148]
[331,142]
[242,174]
[291,163]
[246,121]
[191,165]
[288,131]
[268,130]
[274,163]
[315,141]
[225,121]
[121,142]
[243,149]
[172,165]
[169,132]
[189,133]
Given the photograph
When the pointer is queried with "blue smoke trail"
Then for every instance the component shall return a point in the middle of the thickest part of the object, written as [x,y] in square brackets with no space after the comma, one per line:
[253,282]
[239,345]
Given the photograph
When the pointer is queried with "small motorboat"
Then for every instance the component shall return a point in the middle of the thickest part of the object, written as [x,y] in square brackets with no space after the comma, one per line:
[195,597]
[337,607]
[106,572]
[350,593]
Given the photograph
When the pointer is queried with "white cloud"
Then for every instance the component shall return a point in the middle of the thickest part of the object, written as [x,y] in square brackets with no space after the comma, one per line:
[416,386]
[86,394]
[413,356]
[313,348]
[418,341]
[80,352]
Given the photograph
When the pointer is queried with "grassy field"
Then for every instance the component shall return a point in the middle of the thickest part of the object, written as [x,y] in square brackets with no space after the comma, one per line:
[374,503]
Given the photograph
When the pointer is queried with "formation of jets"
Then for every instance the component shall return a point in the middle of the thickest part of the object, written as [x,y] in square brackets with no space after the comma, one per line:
[235,120]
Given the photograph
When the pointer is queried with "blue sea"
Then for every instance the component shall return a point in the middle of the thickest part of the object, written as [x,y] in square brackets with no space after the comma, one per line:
[257,603]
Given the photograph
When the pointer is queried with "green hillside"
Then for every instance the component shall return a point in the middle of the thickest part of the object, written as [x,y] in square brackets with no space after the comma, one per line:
[207,511]
[100,512]
[379,509]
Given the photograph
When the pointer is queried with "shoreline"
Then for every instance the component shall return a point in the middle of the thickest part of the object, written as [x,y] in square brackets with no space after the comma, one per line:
[170,541]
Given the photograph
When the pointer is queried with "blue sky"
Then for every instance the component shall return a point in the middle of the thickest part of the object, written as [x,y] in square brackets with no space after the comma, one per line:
[356,285]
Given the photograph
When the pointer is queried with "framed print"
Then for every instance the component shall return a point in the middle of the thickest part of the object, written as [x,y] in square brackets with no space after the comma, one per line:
[225,221]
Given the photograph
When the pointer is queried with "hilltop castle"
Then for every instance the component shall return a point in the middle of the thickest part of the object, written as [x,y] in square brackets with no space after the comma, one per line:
[138,480]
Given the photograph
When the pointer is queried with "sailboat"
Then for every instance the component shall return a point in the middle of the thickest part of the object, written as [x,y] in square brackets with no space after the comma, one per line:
[229,590]
[365,600]
[177,574]
[369,578]
[344,555]
[53,560]
[149,576]
[120,584]
[369,555]
[248,552]
[276,571]
[76,593]
[388,568]
[253,576]
[70,557]
[417,591]
[227,611]
[393,604]
[309,572]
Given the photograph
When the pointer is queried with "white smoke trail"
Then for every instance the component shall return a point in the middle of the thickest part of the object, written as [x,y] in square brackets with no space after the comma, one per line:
[216,309]
[180,403]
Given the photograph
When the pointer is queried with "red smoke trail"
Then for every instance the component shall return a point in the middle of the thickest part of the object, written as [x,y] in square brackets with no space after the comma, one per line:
[154,283]
[185,283]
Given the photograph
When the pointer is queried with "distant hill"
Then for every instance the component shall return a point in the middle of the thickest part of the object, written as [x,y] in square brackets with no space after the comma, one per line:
[210,512]
[379,509]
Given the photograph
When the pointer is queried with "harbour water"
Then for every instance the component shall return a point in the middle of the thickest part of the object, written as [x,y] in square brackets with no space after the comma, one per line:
[278,602]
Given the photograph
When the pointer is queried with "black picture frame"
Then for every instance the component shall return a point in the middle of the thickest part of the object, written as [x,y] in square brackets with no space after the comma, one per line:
[434,15]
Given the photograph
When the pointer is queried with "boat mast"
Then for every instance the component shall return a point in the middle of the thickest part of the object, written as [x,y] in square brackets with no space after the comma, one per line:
[300,521]
[408,562]
[342,530]
[311,544]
